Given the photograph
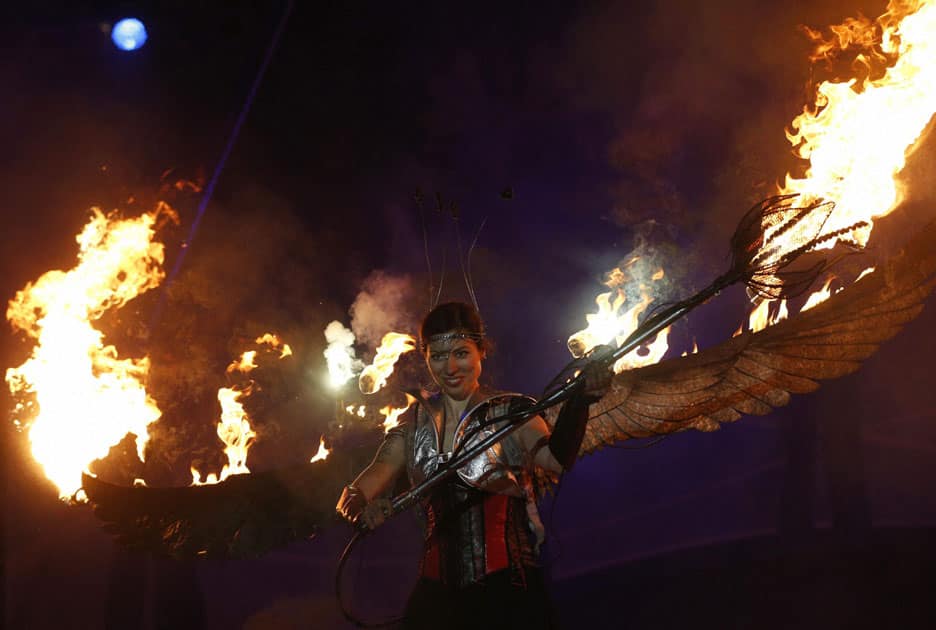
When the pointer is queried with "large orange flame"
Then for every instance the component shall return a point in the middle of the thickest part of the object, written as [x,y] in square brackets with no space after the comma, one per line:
[85,398]
[858,133]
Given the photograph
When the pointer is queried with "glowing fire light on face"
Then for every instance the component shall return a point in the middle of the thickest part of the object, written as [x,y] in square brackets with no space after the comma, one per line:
[85,398]
[613,323]
[375,375]
[321,453]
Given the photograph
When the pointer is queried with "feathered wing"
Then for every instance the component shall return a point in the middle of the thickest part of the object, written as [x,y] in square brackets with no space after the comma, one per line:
[243,516]
[247,515]
[754,373]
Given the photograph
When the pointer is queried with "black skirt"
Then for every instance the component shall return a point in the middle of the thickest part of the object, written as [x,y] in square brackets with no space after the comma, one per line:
[499,601]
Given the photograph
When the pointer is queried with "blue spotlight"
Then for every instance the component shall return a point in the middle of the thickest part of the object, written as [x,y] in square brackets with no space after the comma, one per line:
[129,34]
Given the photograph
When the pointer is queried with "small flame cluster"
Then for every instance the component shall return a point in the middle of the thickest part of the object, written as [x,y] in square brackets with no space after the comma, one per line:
[343,365]
[391,415]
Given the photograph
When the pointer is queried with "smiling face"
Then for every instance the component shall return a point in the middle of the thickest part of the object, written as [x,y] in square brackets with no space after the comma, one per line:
[455,364]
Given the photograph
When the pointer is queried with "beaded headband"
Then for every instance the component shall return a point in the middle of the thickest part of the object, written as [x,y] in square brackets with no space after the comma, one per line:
[473,336]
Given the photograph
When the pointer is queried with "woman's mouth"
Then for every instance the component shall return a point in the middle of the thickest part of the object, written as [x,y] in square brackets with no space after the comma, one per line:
[452,382]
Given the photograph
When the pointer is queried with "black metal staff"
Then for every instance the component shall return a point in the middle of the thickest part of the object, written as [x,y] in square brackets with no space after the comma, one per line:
[760,257]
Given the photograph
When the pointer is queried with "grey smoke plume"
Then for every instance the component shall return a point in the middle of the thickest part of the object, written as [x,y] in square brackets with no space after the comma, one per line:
[385,303]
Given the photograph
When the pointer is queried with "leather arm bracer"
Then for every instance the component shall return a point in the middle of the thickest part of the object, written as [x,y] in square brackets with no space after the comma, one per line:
[567,435]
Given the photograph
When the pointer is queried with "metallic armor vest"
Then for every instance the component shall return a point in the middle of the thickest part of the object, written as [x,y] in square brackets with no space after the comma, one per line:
[484,519]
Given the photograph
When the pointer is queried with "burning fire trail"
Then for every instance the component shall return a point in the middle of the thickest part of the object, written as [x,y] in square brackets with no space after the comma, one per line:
[84,398]
[610,323]
[375,375]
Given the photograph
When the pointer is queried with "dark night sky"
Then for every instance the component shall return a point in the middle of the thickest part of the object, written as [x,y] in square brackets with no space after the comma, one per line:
[612,122]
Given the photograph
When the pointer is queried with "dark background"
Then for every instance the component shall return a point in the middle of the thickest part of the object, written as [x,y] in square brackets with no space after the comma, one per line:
[615,125]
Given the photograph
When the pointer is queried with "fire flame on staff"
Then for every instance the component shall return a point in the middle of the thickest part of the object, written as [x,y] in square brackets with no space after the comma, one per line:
[611,323]
[857,134]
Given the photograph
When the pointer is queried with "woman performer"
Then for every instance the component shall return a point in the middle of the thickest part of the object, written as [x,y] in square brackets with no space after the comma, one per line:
[479,566]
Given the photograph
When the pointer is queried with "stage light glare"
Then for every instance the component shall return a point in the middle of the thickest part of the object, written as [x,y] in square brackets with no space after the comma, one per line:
[128,34]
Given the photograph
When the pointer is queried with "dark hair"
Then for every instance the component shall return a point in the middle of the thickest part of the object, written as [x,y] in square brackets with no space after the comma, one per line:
[453,316]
